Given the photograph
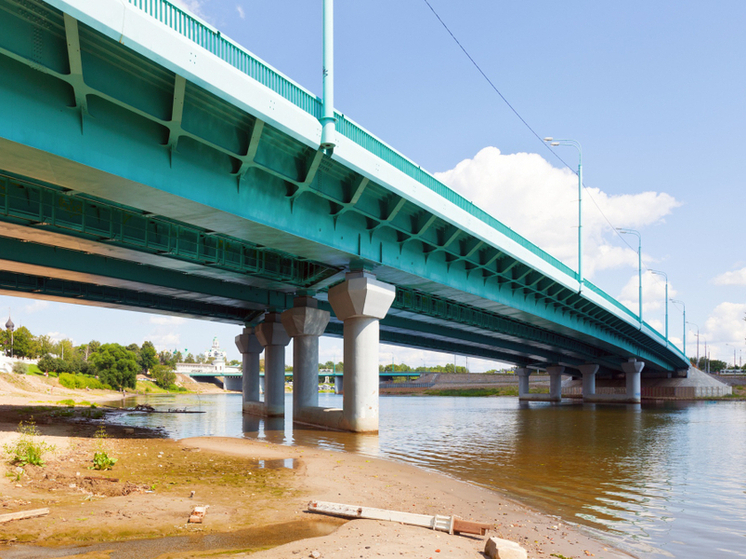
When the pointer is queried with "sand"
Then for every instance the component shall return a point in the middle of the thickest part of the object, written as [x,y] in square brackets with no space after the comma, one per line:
[257,504]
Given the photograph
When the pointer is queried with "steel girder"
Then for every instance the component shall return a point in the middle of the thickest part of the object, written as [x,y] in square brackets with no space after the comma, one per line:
[124,103]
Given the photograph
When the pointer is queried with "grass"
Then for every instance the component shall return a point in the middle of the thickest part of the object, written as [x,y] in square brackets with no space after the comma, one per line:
[28,449]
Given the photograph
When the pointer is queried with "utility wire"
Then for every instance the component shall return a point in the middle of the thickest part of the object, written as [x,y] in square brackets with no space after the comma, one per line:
[538,137]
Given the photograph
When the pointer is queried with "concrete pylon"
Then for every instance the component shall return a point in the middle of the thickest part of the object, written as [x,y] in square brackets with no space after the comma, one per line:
[523,381]
[555,382]
[272,335]
[588,371]
[305,322]
[361,302]
[632,370]
[250,348]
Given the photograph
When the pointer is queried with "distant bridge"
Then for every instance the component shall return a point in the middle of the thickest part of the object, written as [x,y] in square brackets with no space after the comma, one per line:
[148,162]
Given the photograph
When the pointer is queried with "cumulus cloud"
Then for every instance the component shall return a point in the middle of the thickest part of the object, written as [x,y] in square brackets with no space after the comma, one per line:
[36,306]
[735,277]
[653,294]
[725,325]
[540,202]
[195,7]
[166,320]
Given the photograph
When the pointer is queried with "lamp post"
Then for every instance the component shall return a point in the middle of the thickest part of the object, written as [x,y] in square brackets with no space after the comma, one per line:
[639,265]
[734,354]
[692,323]
[657,273]
[10,327]
[577,146]
[675,301]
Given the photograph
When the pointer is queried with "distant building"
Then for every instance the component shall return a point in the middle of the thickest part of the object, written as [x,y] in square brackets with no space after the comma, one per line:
[217,368]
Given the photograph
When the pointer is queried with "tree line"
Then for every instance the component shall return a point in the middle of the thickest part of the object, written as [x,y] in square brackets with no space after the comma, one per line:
[113,364]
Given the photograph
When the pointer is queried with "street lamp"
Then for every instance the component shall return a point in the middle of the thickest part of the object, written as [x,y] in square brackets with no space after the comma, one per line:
[657,273]
[692,323]
[639,264]
[734,353]
[577,146]
[683,321]
[10,327]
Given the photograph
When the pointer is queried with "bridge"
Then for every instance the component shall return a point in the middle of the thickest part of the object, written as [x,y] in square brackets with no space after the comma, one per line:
[148,162]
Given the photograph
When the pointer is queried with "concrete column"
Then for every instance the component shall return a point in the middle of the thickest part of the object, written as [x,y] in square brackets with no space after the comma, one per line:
[305,322]
[632,370]
[339,385]
[523,381]
[588,371]
[272,335]
[250,348]
[555,382]
[361,302]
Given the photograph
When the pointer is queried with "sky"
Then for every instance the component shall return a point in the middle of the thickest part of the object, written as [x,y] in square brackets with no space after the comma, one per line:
[653,91]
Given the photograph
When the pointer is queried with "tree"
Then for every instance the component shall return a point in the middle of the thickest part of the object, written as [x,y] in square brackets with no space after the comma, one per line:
[115,365]
[24,343]
[163,376]
[45,345]
[189,358]
[148,356]
[46,363]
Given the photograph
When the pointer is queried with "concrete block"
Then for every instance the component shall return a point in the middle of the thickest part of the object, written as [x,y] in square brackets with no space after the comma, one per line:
[497,548]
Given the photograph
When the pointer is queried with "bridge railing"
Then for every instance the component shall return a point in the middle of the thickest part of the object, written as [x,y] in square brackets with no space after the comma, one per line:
[241,59]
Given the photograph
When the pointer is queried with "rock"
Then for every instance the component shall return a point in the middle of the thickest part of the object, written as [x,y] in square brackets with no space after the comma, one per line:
[315,554]
[497,548]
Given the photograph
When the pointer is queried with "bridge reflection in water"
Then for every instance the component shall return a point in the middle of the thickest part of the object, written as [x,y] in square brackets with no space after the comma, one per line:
[661,480]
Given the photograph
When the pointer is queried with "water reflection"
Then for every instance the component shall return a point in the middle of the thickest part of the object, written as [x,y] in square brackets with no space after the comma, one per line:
[663,479]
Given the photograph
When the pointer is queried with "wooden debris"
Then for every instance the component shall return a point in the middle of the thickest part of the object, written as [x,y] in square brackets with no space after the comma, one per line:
[198,514]
[450,524]
[23,514]
[94,478]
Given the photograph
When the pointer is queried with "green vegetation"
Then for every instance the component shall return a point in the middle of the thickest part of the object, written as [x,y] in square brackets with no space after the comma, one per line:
[115,366]
[81,381]
[163,375]
[28,449]
[101,458]
[492,391]
[19,368]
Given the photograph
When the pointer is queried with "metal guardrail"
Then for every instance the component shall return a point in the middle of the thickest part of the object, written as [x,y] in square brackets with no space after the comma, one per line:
[241,59]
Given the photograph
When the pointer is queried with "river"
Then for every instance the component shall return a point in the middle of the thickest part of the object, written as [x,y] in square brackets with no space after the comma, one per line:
[664,480]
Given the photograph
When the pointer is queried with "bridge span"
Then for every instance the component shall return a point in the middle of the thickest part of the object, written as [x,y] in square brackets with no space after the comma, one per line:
[148,162]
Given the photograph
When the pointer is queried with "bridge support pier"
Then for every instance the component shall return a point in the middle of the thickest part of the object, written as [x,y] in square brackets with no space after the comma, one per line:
[361,302]
[272,335]
[523,382]
[632,370]
[250,348]
[339,385]
[555,382]
[305,322]
[589,371]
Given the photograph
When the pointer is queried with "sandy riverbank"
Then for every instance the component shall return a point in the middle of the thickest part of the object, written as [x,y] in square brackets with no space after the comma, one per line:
[257,493]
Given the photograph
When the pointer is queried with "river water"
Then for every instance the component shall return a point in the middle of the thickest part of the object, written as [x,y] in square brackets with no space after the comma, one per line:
[663,480]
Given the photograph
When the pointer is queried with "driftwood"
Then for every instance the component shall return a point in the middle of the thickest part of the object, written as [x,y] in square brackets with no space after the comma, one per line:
[450,524]
[150,409]
[111,479]
[23,514]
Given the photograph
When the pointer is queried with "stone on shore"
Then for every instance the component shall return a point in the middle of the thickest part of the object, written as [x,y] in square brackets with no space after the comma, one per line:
[497,548]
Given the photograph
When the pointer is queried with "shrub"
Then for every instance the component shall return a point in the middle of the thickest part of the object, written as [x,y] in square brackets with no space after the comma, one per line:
[19,368]
[80,381]
[27,449]
[163,376]
[46,363]
[101,458]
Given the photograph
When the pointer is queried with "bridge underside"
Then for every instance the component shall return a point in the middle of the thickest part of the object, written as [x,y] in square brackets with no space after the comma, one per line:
[124,185]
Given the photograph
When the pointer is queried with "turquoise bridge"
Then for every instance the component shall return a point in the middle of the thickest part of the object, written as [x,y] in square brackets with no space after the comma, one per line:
[148,162]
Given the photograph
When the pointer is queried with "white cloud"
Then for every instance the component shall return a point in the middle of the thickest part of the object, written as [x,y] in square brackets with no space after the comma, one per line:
[725,325]
[736,277]
[195,7]
[240,11]
[57,336]
[36,306]
[166,320]
[167,341]
[540,202]
[653,295]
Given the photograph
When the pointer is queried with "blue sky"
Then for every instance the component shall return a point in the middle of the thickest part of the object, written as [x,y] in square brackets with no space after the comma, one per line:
[654,91]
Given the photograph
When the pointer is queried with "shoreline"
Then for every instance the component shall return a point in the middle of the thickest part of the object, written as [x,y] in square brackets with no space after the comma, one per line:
[151,499]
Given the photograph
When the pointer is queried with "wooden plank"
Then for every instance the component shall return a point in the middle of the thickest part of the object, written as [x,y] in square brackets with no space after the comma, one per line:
[442,523]
[23,514]
[469,527]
